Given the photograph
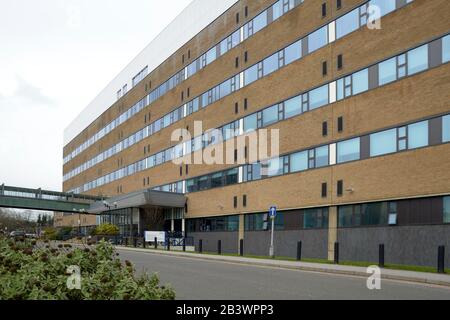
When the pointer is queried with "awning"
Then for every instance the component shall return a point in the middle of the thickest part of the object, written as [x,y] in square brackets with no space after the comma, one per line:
[140,199]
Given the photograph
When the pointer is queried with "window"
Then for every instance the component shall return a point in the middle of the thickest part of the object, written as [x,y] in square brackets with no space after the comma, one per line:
[446,209]
[270,64]
[318,39]
[387,71]
[371,214]
[260,22]
[324,128]
[345,215]
[384,6]
[250,123]
[418,60]
[324,68]
[277,9]
[315,218]
[340,188]
[340,62]
[324,190]
[324,10]
[360,81]
[446,49]
[347,23]
[418,135]
[293,52]
[272,167]
[250,75]
[231,176]
[217,180]
[318,97]
[340,124]
[348,150]
[321,157]
[383,143]
[270,115]
[293,107]
[446,129]
[299,162]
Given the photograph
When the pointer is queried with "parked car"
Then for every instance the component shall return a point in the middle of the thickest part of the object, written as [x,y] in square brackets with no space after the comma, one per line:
[17,234]
[31,236]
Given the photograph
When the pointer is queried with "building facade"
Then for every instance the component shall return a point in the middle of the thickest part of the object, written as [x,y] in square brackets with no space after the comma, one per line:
[362,110]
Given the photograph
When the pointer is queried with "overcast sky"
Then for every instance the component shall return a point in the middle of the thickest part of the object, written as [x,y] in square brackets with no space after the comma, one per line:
[55,57]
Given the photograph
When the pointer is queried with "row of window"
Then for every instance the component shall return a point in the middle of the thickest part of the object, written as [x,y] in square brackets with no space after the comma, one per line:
[343,88]
[411,137]
[227,223]
[404,212]
[328,155]
[230,42]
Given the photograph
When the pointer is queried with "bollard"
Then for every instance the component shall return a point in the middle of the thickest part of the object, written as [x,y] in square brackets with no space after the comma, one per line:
[336,253]
[200,246]
[299,251]
[143,243]
[168,244]
[219,247]
[381,256]
[156,243]
[184,245]
[135,242]
[441,259]
[126,242]
[241,247]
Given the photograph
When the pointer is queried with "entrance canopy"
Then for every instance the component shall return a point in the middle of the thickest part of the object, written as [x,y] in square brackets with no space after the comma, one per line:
[139,199]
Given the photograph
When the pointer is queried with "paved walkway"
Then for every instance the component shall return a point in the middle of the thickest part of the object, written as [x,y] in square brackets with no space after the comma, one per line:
[401,275]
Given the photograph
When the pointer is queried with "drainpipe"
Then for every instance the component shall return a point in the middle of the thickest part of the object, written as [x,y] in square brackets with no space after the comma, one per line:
[3,189]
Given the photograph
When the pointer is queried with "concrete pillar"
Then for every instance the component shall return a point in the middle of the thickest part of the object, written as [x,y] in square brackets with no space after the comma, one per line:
[183,226]
[332,231]
[241,230]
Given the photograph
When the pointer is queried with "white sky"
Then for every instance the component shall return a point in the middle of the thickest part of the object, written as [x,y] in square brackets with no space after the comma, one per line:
[55,57]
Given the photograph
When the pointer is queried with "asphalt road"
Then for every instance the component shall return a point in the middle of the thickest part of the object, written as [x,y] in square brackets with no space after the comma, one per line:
[195,279]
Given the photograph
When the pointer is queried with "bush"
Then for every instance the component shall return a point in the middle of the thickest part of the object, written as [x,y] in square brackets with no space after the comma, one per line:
[107,230]
[50,234]
[33,272]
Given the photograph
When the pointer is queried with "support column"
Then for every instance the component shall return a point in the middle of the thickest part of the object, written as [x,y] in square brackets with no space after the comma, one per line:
[241,231]
[183,227]
[172,221]
[332,231]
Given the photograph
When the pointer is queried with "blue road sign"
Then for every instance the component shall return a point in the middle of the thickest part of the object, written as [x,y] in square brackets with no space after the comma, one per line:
[273,212]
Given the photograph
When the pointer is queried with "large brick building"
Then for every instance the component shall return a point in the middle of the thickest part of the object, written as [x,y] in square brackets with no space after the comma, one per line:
[362,109]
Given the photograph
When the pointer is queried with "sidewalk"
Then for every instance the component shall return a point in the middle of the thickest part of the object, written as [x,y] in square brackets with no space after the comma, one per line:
[401,275]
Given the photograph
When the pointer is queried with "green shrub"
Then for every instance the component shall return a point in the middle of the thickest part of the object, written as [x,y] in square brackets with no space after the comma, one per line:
[38,272]
[107,230]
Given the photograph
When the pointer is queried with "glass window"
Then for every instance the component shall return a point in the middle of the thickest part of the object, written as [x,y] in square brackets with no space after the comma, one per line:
[345,216]
[446,49]
[383,142]
[418,60]
[348,150]
[360,81]
[251,75]
[299,161]
[293,52]
[236,38]
[387,71]
[347,24]
[270,115]
[374,214]
[250,123]
[418,135]
[217,180]
[446,209]
[318,39]
[385,6]
[322,157]
[277,9]
[270,64]
[211,55]
[293,107]
[274,167]
[315,218]
[318,97]
[446,128]
[260,22]
[231,176]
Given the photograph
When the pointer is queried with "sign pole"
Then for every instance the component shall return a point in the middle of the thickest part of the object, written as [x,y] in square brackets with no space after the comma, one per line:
[271,251]
[272,215]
